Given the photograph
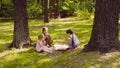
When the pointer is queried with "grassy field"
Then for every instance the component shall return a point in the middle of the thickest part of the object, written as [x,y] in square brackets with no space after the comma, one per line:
[29,58]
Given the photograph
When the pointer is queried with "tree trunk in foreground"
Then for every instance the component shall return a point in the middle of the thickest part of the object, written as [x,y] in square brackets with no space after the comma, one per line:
[21,30]
[104,35]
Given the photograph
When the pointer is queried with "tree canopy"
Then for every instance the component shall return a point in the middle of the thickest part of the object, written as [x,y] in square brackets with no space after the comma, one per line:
[35,7]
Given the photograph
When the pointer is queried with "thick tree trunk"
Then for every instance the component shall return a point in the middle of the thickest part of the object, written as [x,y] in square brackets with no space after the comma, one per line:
[57,9]
[21,30]
[46,11]
[104,35]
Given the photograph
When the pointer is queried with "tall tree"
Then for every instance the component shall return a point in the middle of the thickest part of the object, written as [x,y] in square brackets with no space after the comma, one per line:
[57,9]
[52,8]
[21,30]
[0,7]
[46,11]
[104,35]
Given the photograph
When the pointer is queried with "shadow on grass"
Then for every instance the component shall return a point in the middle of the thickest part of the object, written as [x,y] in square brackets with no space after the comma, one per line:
[4,48]
[24,58]
[5,20]
[70,59]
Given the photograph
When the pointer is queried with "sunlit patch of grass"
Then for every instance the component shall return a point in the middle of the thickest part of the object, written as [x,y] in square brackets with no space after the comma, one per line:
[16,58]
[6,28]
[2,41]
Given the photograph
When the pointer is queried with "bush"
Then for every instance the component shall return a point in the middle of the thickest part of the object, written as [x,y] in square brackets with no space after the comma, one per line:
[6,8]
[82,14]
[34,9]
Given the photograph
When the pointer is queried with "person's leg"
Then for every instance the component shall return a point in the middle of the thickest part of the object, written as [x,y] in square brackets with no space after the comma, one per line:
[69,42]
[46,49]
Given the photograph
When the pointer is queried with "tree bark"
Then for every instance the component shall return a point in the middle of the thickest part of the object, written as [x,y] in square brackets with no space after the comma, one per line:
[57,9]
[1,7]
[21,30]
[46,11]
[52,8]
[38,1]
[104,35]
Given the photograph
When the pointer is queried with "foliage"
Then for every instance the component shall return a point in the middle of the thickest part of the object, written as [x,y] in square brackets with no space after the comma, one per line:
[6,8]
[35,7]
[67,5]
[84,9]
[83,14]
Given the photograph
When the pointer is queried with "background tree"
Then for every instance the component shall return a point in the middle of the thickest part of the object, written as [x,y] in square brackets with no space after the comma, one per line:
[52,8]
[57,9]
[104,35]
[46,11]
[35,8]
[21,30]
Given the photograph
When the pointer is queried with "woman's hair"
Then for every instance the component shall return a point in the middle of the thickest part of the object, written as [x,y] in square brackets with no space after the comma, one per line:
[44,29]
[69,31]
[40,36]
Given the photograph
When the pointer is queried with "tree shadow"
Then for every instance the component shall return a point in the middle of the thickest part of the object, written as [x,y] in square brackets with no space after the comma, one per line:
[31,58]
[5,20]
[27,58]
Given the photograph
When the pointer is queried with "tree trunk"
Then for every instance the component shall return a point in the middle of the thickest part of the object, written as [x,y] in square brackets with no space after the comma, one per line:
[21,30]
[52,8]
[46,11]
[104,35]
[0,3]
[57,9]
[38,1]
[1,7]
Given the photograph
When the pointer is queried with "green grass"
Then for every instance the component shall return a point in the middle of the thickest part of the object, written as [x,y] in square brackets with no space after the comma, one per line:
[29,58]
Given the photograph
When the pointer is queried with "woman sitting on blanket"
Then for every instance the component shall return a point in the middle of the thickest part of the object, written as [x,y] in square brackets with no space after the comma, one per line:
[47,36]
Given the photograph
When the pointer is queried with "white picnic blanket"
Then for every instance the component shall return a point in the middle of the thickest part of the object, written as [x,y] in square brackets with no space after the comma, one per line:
[61,46]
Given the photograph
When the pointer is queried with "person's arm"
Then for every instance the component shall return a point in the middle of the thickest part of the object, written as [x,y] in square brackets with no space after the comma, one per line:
[41,43]
[49,40]
[68,38]
[45,44]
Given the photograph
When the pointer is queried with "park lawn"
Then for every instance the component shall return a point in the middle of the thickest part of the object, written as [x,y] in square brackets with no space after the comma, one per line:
[29,58]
